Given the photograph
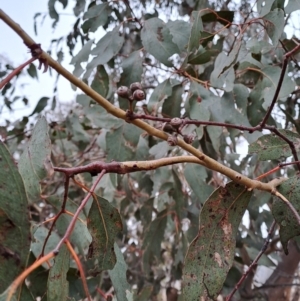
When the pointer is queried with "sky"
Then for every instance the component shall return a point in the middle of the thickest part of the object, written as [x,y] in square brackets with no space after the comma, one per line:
[15,52]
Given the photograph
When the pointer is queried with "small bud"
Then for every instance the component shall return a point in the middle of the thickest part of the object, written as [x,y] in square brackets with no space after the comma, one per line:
[123,91]
[189,139]
[176,122]
[172,140]
[135,86]
[138,95]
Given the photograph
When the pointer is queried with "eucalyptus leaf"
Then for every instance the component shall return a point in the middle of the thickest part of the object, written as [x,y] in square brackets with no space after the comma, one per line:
[211,254]
[157,40]
[35,159]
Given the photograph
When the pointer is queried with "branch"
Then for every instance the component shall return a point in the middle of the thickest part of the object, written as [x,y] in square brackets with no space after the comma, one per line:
[79,209]
[19,280]
[80,268]
[15,72]
[205,160]
[284,65]
[254,263]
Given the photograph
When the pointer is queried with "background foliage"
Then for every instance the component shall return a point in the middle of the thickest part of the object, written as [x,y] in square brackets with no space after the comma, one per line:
[176,231]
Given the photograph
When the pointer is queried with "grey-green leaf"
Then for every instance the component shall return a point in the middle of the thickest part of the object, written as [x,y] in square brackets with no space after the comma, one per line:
[34,160]
[42,103]
[157,40]
[101,81]
[160,93]
[132,69]
[104,223]
[180,30]
[58,285]
[274,22]
[14,221]
[83,54]
[95,17]
[118,275]
[154,235]
[106,48]
[272,147]
[289,226]
[197,28]
[211,254]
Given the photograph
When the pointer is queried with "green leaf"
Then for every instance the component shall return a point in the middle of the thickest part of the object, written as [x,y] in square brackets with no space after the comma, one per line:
[83,54]
[105,49]
[100,118]
[42,103]
[200,57]
[37,243]
[292,6]
[178,196]
[14,221]
[101,81]
[104,223]
[211,254]
[270,82]
[64,3]
[157,40]
[180,30]
[274,24]
[264,7]
[58,285]
[285,218]
[160,93]
[132,69]
[117,146]
[75,130]
[196,175]
[225,62]
[80,236]
[199,102]
[197,28]
[172,105]
[95,17]
[35,159]
[118,276]
[272,147]
[52,11]
[32,71]
[79,7]
[153,237]
[160,149]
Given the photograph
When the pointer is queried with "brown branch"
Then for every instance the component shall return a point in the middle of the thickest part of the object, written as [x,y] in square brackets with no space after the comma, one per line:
[287,140]
[62,210]
[15,72]
[80,268]
[79,209]
[19,280]
[117,112]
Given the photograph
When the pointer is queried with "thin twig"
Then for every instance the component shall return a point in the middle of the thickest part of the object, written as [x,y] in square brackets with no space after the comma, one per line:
[254,263]
[79,209]
[15,72]
[63,206]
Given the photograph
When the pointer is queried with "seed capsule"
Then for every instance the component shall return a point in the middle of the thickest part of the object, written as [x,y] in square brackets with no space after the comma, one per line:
[176,122]
[189,139]
[135,86]
[124,92]
[172,140]
[138,95]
